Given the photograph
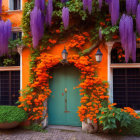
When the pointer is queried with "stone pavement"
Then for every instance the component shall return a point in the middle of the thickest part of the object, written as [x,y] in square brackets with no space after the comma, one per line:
[54,134]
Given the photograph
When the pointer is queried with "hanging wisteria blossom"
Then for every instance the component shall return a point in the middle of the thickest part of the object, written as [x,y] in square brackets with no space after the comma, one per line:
[127,36]
[40,4]
[108,1]
[36,25]
[5,33]
[131,6]
[63,1]
[49,12]
[115,11]
[138,19]
[65,17]
[0,6]
[100,3]
[87,4]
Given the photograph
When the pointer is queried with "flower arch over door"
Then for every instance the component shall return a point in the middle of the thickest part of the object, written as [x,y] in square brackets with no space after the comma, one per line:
[92,88]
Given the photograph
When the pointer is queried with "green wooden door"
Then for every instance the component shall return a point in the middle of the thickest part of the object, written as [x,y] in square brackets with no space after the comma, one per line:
[62,105]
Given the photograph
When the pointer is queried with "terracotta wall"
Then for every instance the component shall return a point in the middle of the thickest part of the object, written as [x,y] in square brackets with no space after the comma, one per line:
[56,50]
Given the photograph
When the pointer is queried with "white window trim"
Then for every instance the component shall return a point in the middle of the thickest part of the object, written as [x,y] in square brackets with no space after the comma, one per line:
[9,10]
[117,65]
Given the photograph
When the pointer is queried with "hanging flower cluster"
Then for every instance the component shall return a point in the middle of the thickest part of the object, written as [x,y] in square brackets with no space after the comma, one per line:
[40,4]
[37,26]
[5,33]
[49,12]
[79,40]
[115,11]
[128,38]
[100,3]
[87,4]
[65,17]
[138,19]
[131,6]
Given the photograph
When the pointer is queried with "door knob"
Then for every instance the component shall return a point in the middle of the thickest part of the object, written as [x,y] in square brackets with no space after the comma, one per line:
[65,90]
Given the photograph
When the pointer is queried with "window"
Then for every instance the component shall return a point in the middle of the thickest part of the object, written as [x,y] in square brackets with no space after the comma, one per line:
[126,87]
[9,87]
[15,4]
[7,60]
[118,55]
[16,35]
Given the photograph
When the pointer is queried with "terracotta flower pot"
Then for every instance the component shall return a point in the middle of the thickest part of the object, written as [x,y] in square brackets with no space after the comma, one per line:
[8,125]
[25,123]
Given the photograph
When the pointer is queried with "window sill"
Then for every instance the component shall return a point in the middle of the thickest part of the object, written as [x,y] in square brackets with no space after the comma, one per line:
[125,65]
[10,68]
[13,11]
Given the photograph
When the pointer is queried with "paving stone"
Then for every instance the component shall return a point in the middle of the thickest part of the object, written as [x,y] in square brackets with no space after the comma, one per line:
[54,134]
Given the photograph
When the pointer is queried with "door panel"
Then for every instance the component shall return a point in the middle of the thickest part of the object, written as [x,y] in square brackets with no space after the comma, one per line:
[62,106]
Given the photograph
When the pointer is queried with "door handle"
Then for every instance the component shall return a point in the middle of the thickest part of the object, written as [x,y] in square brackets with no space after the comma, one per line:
[65,90]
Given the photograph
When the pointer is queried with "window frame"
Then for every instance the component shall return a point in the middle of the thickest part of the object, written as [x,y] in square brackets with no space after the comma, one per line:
[12,36]
[116,65]
[11,5]
[10,84]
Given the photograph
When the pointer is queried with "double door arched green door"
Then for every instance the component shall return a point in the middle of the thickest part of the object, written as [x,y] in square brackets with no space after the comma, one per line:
[64,100]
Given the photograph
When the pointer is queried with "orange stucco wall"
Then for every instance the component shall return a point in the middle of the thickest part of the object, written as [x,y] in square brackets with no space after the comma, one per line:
[14,16]
[56,50]
[25,67]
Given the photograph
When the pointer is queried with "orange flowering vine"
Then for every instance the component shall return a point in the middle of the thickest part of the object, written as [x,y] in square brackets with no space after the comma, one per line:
[92,89]
[79,40]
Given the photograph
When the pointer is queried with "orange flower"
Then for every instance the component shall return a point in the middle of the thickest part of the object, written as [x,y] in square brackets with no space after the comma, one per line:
[57,31]
[115,37]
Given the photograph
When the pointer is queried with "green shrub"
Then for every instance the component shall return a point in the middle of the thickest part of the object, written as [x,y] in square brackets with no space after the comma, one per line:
[133,128]
[113,118]
[36,127]
[12,114]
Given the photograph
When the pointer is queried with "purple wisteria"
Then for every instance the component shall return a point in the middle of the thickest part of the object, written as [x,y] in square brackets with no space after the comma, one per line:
[115,11]
[100,3]
[128,39]
[131,6]
[63,1]
[65,17]
[49,12]
[37,26]
[108,1]
[40,4]
[5,33]
[0,6]
[138,19]
[87,4]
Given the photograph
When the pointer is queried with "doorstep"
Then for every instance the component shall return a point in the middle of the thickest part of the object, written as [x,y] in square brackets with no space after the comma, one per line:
[63,127]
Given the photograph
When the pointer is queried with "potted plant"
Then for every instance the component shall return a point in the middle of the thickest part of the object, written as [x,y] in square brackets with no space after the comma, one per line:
[11,116]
